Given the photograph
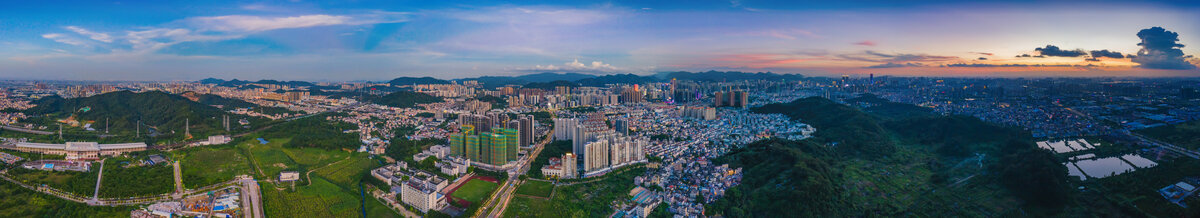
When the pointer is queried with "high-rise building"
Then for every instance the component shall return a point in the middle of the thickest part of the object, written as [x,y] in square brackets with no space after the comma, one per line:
[526,130]
[569,166]
[512,147]
[595,156]
[496,148]
[731,99]
[564,128]
[482,123]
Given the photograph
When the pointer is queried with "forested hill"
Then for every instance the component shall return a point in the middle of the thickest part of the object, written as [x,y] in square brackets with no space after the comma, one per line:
[861,163]
[403,99]
[123,109]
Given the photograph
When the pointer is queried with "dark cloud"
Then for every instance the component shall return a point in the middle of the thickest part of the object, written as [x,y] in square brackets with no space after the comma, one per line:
[895,65]
[1096,54]
[901,57]
[1054,51]
[1160,50]
[1015,65]
[982,58]
[1030,56]
[984,53]
[1092,59]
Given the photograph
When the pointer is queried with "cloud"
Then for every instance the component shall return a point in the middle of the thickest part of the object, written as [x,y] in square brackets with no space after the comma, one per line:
[576,66]
[895,65]
[244,23]
[1030,56]
[1015,65]
[984,53]
[1160,50]
[1054,51]
[865,43]
[982,58]
[1096,54]
[874,56]
[103,37]
[60,38]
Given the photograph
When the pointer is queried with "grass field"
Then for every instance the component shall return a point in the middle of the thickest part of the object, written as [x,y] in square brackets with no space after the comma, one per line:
[475,190]
[522,206]
[211,165]
[348,172]
[273,157]
[536,188]
[321,199]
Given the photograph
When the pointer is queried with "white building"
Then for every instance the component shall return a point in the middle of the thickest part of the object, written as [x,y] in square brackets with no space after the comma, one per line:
[80,150]
[422,192]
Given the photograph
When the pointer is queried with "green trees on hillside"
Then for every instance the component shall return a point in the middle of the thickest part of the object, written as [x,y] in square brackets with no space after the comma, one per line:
[315,132]
[402,99]
[851,131]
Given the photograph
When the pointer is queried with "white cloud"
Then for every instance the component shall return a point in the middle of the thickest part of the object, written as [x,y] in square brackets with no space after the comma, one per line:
[60,38]
[244,23]
[103,37]
[596,66]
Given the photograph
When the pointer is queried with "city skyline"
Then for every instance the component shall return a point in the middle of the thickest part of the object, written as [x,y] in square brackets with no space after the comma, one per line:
[376,41]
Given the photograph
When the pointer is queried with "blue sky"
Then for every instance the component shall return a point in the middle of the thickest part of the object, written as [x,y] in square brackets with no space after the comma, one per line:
[377,40]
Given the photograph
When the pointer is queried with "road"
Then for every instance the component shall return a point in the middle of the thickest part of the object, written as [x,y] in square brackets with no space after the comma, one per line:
[24,130]
[251,198]
[99,177]
[498,202]
[178,178]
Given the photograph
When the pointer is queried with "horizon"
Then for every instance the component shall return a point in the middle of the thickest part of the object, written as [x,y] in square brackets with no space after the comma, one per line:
[368,41]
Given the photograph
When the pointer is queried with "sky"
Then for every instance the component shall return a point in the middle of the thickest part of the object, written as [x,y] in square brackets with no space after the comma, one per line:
[379,40]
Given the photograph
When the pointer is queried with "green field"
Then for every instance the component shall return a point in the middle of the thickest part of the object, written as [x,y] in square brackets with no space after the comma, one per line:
[348,171]
[475,190]
[272,157]
[205,166]
[536,188]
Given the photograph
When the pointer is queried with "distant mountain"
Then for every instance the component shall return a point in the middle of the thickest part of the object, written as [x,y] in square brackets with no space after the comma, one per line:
[617,79]
[498,81]
[550,85]
[402,99]
[210,99]
[717,76]
[416,80]
[123,109]
[236,82]
[211,81]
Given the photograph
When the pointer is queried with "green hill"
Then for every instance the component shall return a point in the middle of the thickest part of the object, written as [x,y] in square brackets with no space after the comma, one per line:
[403,99]
[861,163]
[162,111]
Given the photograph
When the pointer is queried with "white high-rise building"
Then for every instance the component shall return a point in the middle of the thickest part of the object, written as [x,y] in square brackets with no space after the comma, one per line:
[564,128]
